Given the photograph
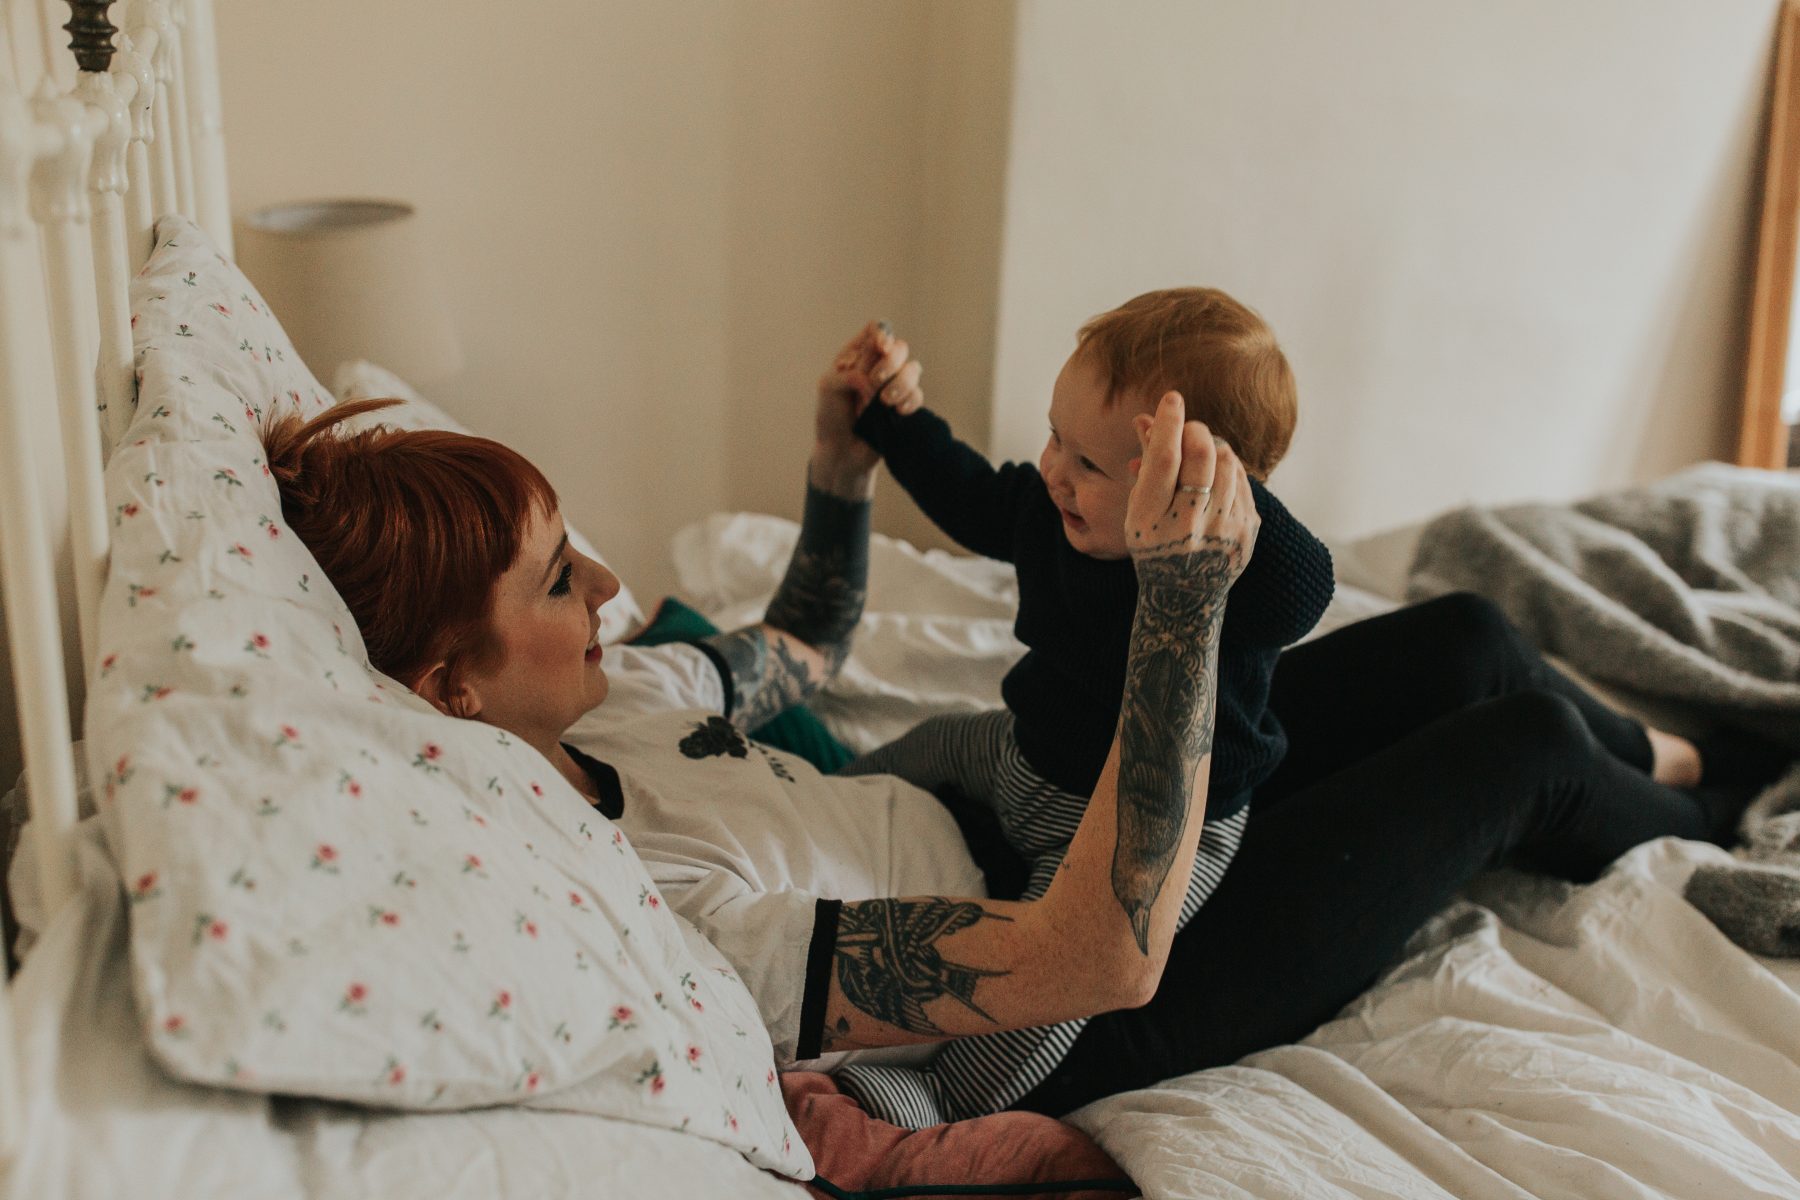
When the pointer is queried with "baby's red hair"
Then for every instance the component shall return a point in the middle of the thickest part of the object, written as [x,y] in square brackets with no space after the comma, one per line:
[412,527]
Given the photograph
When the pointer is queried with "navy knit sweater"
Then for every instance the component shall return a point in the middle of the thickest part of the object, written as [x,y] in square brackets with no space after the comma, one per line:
[1075,612]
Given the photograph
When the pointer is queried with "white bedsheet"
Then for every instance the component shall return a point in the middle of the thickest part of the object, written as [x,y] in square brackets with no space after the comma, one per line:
[1554,1042]
[1539,1040]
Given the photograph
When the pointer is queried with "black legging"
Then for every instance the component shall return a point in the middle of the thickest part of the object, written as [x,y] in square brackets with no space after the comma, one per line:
[1426,746]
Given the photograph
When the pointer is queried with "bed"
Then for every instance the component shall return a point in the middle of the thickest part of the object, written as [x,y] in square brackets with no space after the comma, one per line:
[1535,1040]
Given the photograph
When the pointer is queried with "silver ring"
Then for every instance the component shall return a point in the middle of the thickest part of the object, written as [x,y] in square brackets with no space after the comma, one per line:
[1195,489]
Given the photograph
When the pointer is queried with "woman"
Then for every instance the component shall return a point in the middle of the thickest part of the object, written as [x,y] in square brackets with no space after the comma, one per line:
[849,906]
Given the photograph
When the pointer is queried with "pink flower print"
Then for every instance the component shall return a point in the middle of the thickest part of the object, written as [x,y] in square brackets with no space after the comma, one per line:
[535,789]
[575,900]
[525,925]
[273,530]
[529,1080]
[472,865]
[136,592]
[240,550]
[155,691]
[228,477]
[731,1120]
[354,999]
[770,1077]
[325,858]
[383,916]
[427,758]
[184,793]
[130,510]
[145,888]
[122,770]
[216,931]
[289,737]
[257,644]
[693,1056]
[175,1025]
[107,664]
[349,786]
[430,1021]
[396,1073]
[219,308]
[648,898]
[502,1006]
[208,926]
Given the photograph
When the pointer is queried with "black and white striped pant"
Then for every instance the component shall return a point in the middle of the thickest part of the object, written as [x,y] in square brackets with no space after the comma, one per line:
[979,756]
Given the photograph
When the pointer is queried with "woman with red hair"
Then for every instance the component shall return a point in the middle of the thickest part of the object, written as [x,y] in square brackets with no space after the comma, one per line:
[451,554]
[850,906]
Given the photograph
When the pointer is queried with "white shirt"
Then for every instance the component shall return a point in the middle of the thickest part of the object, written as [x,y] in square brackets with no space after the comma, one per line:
[744,840]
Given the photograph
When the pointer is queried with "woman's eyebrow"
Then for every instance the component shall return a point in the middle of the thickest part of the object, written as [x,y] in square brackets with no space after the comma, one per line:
[555,558]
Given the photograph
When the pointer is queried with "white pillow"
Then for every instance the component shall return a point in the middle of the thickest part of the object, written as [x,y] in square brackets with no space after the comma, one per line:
[335,890]
[362,380]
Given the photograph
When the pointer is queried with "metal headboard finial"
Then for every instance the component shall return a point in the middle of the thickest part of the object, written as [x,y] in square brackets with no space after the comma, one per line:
[91,34]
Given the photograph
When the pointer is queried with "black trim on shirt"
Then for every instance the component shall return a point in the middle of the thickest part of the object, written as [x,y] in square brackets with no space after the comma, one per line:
[818,979]
[718,661]
[606,781]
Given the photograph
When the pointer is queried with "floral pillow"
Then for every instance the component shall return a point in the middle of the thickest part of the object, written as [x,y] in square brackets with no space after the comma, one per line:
[361,380]
[335,890]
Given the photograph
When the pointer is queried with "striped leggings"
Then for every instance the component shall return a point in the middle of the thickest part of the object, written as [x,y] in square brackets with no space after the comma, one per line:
[979,756]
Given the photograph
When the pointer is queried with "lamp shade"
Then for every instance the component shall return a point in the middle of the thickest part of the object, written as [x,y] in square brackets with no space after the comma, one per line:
[350,279]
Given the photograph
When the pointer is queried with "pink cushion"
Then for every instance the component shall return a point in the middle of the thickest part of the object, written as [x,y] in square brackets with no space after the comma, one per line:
[857,1152]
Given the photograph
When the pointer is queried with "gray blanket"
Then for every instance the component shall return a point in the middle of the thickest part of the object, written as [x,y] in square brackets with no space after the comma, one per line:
[1687,589]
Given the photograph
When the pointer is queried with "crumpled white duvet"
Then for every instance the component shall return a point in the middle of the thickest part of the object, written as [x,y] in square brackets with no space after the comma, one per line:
[1541,1040]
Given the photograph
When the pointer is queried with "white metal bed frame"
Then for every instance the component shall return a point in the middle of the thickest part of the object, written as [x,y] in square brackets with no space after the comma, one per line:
[94,146]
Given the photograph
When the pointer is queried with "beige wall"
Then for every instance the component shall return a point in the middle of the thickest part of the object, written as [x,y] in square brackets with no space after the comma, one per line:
[657,223]
[1506,245]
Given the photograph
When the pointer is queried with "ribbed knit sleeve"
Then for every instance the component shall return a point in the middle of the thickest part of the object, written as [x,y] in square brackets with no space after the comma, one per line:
[1288,582]
[971,500]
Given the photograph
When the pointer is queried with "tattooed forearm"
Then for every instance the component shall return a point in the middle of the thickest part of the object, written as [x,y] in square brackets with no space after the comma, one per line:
[1166,719]
[888,963]
[766,678]
[821,597]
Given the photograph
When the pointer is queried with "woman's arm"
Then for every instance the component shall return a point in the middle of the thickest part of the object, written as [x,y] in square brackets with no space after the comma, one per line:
[926,968]
[805,635]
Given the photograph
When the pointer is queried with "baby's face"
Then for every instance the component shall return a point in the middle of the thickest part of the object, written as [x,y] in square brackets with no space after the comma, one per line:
[1086,462]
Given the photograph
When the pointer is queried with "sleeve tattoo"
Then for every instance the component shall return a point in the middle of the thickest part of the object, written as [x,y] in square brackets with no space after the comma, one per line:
[1166,719]
[819,601]
[889,964]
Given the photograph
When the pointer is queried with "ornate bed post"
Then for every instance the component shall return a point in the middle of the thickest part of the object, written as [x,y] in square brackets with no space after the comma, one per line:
[92,35]
[153,33]
[212,199]
[27,570]
[59,202]
[140,205]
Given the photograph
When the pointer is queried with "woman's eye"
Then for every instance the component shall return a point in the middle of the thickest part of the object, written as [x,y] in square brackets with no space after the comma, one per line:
[561,586]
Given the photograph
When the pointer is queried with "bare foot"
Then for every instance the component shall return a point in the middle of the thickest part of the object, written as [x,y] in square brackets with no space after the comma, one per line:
[1674,760]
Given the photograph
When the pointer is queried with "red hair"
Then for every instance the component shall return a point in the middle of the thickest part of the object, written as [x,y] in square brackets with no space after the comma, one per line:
[1217,353]
[412,527]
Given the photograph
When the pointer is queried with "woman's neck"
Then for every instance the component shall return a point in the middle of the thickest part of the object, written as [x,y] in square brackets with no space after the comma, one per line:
[570,769]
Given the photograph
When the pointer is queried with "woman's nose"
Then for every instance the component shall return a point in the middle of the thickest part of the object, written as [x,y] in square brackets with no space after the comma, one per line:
[606,585]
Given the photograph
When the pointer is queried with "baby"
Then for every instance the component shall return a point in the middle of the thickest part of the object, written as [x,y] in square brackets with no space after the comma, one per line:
[1062,526]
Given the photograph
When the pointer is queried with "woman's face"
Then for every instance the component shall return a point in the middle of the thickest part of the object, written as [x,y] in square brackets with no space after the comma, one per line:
[544,618]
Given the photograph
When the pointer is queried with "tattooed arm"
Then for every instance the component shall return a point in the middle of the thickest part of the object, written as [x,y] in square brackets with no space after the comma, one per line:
[927,968]
[805,635]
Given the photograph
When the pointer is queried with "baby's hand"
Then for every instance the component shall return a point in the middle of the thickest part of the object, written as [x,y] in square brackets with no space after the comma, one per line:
[1191,518]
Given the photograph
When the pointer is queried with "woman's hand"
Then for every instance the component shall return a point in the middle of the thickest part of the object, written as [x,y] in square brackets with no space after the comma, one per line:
[1190,503]
[872,363]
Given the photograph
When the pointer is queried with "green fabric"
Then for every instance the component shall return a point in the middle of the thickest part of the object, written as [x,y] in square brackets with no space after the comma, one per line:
[797,731]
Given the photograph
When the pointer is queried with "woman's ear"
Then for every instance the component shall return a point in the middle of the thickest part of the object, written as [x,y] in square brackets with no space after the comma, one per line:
[452,699]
